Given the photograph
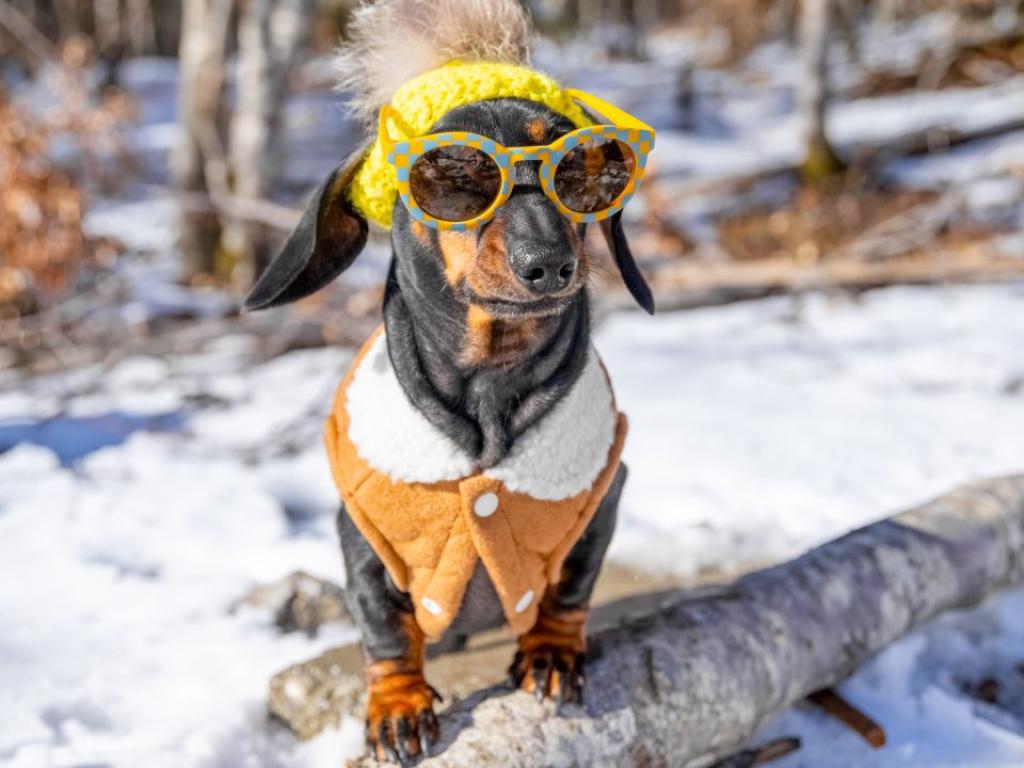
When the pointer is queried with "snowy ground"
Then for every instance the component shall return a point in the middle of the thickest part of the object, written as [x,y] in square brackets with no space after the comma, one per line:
[757,430]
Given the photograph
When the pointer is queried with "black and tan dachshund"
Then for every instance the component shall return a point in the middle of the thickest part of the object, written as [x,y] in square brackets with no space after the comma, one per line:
[487,333]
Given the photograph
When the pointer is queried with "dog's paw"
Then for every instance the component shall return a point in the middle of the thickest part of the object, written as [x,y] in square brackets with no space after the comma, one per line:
[400,721]
[549,670]
[549,661]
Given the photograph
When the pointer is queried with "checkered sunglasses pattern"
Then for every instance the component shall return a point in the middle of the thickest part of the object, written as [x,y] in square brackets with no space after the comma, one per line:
[630,132]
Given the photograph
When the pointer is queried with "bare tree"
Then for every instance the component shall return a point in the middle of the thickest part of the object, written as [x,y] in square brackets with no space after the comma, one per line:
[198,163]
[231,165]
[820,160]
[140,32]
[22,29]
[270,33]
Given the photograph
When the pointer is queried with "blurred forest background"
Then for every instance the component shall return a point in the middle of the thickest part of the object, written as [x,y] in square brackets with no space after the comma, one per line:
[154,152]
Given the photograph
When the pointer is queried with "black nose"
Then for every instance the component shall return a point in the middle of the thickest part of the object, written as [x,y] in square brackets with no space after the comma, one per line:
[542,269]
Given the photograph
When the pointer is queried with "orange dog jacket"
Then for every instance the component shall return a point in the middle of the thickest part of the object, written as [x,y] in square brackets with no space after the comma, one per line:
[431,514]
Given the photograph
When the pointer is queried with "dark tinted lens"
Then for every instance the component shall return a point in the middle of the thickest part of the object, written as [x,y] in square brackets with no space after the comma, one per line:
[593,174]
[455,183]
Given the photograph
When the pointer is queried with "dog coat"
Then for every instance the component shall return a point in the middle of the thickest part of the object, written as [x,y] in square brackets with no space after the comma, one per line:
[431,514]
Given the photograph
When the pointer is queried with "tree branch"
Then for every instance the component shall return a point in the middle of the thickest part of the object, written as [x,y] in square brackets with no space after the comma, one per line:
[34,41]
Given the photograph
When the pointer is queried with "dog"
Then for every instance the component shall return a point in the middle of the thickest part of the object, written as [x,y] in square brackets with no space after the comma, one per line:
[475,440]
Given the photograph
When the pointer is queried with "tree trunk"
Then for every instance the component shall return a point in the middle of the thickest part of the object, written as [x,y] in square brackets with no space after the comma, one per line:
[107,20]
[820,160]
[198,164]
[25,34]
[140,34]
[641,18]
[692,682]
[270,33]
[886,12]
[250,135]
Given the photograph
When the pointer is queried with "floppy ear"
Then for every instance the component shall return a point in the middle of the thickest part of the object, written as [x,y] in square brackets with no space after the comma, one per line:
[631,274]
[326,241]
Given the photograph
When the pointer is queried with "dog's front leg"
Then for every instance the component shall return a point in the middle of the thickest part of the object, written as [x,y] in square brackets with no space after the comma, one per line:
[400,721]
[550,657]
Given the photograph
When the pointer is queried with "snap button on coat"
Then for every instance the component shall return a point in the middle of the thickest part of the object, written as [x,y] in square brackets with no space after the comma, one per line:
[431,605]
[524,601]
[486,504]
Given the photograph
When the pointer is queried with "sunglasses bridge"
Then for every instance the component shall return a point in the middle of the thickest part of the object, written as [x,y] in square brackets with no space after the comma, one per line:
[518,155]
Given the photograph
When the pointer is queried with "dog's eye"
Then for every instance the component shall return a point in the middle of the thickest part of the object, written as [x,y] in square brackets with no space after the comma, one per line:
[455,183]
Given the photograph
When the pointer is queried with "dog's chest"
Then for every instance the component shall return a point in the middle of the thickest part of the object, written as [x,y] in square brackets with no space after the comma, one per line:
[555,459]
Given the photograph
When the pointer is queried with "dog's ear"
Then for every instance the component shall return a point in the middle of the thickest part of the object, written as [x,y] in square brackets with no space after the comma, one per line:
[325,242]
[631,274]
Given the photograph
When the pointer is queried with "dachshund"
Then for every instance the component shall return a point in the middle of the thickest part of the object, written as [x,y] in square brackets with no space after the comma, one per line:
[475,441]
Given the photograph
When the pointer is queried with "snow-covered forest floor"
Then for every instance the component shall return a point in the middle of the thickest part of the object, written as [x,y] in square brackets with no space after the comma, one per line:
[140,501]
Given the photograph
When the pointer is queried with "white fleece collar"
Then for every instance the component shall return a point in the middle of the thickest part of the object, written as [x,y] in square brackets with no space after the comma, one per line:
[556,458]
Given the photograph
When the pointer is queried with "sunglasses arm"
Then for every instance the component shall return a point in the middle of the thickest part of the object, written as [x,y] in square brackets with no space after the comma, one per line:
[617,116]
[389,116]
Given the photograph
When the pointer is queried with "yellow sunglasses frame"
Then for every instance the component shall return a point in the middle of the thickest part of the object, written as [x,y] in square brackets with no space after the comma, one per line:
[626,128]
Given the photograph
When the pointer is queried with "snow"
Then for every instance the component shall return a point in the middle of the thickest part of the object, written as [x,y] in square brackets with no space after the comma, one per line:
[806,420]
[915,689]
[758,131]
[757,430]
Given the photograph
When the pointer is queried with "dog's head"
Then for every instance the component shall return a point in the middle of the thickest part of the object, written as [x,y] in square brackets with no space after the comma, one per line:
[526,261]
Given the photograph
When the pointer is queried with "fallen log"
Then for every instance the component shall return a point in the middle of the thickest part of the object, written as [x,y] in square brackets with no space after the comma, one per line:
[686,285]
[692,682]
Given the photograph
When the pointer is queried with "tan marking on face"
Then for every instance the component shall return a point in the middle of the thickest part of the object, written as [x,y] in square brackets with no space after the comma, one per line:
[482,267]
[512,340]
[421,232]
[492,341]
[491,276]
[479,327]
[537,129]
[458,249]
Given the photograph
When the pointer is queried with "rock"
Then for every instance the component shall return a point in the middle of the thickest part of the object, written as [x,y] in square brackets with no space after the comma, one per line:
[300,602]
[313,695]
[987,690]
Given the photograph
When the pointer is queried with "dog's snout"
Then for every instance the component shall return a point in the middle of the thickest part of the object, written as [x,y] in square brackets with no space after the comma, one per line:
[541,248]
[541,268]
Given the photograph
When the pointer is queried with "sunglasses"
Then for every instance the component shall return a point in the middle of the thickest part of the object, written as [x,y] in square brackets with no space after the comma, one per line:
[458,180]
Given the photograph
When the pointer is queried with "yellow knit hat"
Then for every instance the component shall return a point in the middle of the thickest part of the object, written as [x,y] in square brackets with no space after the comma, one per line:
[426,98]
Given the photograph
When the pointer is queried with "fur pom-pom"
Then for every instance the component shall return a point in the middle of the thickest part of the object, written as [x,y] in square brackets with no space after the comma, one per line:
[393,41]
